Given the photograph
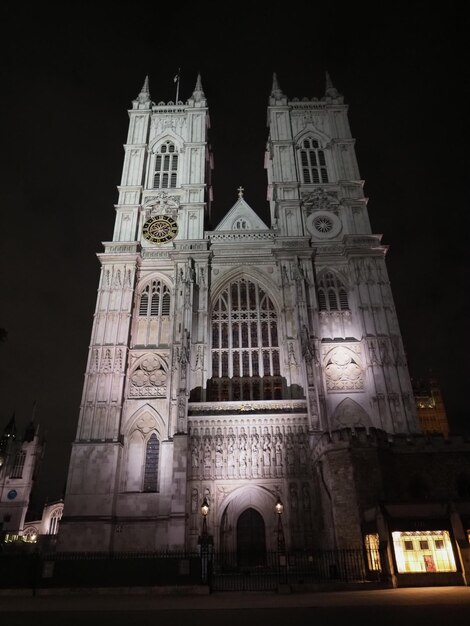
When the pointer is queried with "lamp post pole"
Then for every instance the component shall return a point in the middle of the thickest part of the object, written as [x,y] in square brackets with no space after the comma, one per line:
[281,542]
[205,541]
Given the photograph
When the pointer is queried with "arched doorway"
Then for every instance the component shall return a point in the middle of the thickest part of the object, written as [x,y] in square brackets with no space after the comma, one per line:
[251,539]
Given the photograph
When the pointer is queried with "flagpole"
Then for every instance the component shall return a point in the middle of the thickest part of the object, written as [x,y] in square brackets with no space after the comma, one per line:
[177,85]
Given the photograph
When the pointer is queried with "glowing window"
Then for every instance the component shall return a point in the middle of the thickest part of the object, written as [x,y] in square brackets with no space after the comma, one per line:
[423,551]
[166,166]
[312,162]
[372,544]
[54,522]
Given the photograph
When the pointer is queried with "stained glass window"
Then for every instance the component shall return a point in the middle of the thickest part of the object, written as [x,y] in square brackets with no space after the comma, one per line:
[151,464]
[249,346]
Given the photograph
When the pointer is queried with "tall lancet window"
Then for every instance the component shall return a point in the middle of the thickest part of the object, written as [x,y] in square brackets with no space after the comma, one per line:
[245,345]
[18,465]
[152,453]
[166,166]
[312,162]
[153,322]
[332,295]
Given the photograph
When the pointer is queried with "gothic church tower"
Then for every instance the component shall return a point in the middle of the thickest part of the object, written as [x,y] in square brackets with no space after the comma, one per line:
[219,357]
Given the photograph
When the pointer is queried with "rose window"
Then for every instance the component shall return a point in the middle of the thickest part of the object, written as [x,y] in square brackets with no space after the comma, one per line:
[323,224]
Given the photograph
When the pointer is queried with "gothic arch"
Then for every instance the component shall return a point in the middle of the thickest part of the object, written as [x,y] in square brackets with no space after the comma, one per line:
[350,414]
[312,131]
[248,497]
[332,290]
[248,273]
[144,424]
[145,419]
[168,135]
[338,274]
[245,341]
[153,302]
[148,278]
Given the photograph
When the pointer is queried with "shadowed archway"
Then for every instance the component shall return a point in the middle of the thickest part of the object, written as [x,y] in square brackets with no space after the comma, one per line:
[251,539]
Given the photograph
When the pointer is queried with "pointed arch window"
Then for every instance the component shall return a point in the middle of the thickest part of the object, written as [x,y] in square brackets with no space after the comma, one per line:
[245,348]
[155,300]
[241,224]
[152,454]
[312,162]
[18,465]
[166,166]
[54,522]
[154,307]
[332,295]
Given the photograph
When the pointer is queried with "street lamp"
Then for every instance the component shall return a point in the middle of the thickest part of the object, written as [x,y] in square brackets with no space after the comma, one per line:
[205,512]
[281,543]
[205,541]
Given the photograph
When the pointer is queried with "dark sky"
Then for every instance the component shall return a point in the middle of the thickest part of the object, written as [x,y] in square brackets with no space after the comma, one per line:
[68,76]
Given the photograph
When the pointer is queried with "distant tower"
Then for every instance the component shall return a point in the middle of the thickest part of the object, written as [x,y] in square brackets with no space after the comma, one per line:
[430,407]
[218,358]
[19,464]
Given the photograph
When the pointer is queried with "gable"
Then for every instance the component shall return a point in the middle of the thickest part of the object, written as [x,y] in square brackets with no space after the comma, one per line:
[241,217]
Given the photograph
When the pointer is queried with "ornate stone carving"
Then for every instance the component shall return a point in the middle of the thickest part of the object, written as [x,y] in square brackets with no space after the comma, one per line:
[161,203]
[320,199]
[146,424]
[343,369]
[149,378]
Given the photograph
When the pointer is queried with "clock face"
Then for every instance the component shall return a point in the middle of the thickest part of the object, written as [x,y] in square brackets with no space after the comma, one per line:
[160,229]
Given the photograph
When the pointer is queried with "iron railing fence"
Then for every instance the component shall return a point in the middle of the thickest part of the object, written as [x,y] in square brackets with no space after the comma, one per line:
[221,570]
[99,569]
[269,570]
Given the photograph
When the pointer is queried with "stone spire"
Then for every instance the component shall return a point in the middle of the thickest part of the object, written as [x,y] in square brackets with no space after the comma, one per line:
[276,97]
[30,430]
[8,435]
[10,429]
[330,89]
[276,91]
[143,99]
[198,93]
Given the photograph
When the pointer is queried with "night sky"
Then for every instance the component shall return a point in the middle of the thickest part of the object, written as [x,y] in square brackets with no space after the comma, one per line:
[68,76]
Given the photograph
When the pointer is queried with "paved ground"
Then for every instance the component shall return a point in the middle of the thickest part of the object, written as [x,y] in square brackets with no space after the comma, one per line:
[391,607]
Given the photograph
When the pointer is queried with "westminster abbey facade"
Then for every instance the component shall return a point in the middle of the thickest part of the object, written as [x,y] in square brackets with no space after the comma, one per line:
[237,363]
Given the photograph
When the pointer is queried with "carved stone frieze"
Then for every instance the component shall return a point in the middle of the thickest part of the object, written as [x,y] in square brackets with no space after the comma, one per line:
[247,452]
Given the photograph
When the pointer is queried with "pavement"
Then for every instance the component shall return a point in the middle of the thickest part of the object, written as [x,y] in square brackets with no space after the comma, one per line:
[85,600]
